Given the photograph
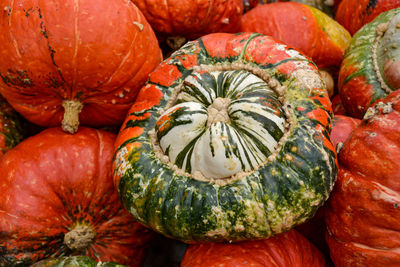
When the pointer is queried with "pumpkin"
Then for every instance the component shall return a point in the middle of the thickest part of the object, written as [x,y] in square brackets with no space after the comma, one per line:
[69,62]
[302,27]
[74,261]
[12,127]
[228,141]
[179,20]
[363,215]
[288,249]
[324,5]
[370,68]
[342,127]
[353,14]
[58,199]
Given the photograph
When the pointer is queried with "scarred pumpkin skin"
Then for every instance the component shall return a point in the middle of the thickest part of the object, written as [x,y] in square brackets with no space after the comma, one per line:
[95,53]
[302,27]
[55,184]
[171,199]
[362,76]
[191,18]
[363,214]
[353,14]
[11,127]
[288,249]
[75,261]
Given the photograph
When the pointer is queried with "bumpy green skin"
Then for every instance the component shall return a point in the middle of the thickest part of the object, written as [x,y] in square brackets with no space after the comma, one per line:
[358,81]
[279,195]
[75,261]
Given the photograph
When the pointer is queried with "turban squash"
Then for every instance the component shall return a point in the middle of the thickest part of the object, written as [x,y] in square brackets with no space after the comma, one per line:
[371,66]
[229,140]
[74,261]
[58,199]
[70,62]
[363,215]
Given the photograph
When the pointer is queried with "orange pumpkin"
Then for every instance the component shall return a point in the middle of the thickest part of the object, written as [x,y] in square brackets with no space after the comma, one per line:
[74,61]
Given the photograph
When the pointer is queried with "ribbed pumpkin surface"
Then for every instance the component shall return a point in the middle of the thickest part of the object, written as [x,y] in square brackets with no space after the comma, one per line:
[75,261]
[363,215]
[58,199]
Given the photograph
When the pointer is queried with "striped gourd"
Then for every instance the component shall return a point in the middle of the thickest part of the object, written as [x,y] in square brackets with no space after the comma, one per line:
[228,140]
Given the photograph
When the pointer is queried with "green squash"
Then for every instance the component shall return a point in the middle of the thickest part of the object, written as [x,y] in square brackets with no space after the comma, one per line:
[74,261]
[228,141]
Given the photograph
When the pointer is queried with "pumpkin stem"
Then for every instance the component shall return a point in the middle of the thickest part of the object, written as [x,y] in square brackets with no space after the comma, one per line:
[70,122]
[79,238]
[218,111]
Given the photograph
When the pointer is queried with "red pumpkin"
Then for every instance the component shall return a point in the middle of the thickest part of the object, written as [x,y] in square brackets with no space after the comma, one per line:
[58,199]
[88,58]
[363,215]
[191,18]
[342,127]
[353,14]
[302,27]
[288,249]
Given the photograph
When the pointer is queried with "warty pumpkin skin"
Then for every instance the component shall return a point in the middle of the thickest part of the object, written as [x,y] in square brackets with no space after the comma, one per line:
[353,14]
[363,215]
[324,5]
[87,57]
[302,27]
[228,141]
[191,18]
[58,199]
[371,66]
[288,249]
[74,261]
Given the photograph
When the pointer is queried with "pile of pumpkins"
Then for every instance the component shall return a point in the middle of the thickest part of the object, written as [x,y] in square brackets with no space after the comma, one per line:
[261,133]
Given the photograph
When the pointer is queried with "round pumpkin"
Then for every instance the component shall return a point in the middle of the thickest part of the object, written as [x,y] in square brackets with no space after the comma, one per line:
[12,127]
[190,19]
[74,261]
[70,62]
[363,214]
[229,140]
[302,27]
[353,14]
[288,249]
[58,199]
[371,66]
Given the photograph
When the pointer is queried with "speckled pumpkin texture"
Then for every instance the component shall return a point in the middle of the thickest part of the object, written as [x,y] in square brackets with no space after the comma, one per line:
[185,203]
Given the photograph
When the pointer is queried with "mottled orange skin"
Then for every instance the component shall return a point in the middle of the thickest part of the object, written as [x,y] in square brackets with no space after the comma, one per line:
[288,249]
[96,52]
[298,28]
[191,18]
[353,14]
[363,216]
[54,180]
[342,127]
